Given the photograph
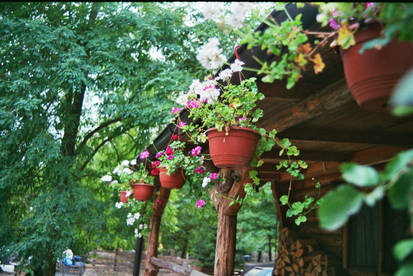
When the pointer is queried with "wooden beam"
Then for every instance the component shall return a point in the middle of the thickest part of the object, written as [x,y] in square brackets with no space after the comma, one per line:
[348,137]
[275,195]
[152,248]
[335,95]
[273,157]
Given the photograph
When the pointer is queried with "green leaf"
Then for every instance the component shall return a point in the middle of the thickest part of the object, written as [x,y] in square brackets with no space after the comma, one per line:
[284,200]
[399,192]
[338,205]
[402,249]
[300,220]
[401,100]
[405,270]
[359,175]
[398,162]
[375,195]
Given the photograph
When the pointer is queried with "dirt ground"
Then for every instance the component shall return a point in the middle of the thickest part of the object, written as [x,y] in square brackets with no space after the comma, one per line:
[103,265]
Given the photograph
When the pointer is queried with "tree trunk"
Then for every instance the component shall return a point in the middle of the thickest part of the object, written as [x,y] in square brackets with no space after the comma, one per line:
[225,246]
[259,256]
[50,269]
[152,248]
[184,249]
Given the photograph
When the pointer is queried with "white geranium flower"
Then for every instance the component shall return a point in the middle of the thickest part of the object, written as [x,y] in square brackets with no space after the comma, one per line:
[130,219]
[145,226]
[224,75]
[140,226]
[137,216]
[118,205]
[196,87]
[127,171]
[182,99]
[237,66]
[125,163]
[211,10]
[128,193]
[31,208]
[210,95]
[106,178]
[118,170]
[210,55]
[205,181]
[136,233]
[133,162]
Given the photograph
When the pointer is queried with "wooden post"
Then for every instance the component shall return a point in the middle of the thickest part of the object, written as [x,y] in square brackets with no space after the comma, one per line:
[152,250]
[227,219]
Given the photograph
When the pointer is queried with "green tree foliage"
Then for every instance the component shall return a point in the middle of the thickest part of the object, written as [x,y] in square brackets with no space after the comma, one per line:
[73,78]
[257,227]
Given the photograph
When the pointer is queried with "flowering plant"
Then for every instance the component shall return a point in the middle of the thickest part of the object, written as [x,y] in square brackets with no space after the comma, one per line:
[173,158]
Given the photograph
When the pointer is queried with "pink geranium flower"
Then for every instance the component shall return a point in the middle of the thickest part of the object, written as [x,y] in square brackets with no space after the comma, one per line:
[144,154]
[174,137]
[170,157]
[155,164]
[196,151]
[181,124]
[169,150]
[214,176]
[155,171]
[175,110]
[200,203]
[333,24]
[200,170]
[159,154]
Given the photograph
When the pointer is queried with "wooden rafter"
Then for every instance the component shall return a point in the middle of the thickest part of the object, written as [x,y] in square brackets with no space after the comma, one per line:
[331,97]
[348,137]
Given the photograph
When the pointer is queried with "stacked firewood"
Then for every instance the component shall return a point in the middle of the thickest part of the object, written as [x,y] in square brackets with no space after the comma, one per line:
[299,257]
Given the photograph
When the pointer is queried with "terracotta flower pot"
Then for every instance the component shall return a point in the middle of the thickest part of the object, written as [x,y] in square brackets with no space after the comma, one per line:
[234,150]
[174,181]
[123,197]
[371,76]
[142,191]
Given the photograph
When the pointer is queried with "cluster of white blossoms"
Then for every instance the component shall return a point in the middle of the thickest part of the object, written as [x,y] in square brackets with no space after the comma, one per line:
[137,231]
[205,181]
[210,55]
[233,14]
[239,11]
[207,90]
[106,178]
[130,220]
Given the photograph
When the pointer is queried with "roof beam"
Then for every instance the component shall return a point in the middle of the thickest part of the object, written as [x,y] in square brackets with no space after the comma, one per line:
[348,137]
[273,157]
[333,96]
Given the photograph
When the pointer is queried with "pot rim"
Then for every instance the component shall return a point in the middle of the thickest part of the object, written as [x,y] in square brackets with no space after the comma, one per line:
[141,184]
[234,128]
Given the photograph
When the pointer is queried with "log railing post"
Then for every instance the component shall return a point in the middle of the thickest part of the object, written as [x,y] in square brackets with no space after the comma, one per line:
[233,187]
[152,248]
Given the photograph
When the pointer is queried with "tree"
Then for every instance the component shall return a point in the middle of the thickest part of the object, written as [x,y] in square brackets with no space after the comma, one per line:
[54,58]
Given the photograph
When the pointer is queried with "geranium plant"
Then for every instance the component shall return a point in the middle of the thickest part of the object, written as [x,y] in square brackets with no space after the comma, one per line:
[221,104]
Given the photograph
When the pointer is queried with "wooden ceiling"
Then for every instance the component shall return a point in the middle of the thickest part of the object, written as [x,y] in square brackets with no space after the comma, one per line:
[321,118]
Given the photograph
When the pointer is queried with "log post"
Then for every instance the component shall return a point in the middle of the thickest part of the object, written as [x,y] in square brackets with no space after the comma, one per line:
[152,249]
[227,218]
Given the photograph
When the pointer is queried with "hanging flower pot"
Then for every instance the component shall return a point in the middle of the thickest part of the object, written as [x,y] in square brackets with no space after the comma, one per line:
[123,197]
[371,76]
[174,181]
[234,150]
[142,191]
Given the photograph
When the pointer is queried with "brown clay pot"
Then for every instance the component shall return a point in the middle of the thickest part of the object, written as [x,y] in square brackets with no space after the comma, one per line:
[142,191]
[372,76]
[123,197]
[234,150]
[174,181]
